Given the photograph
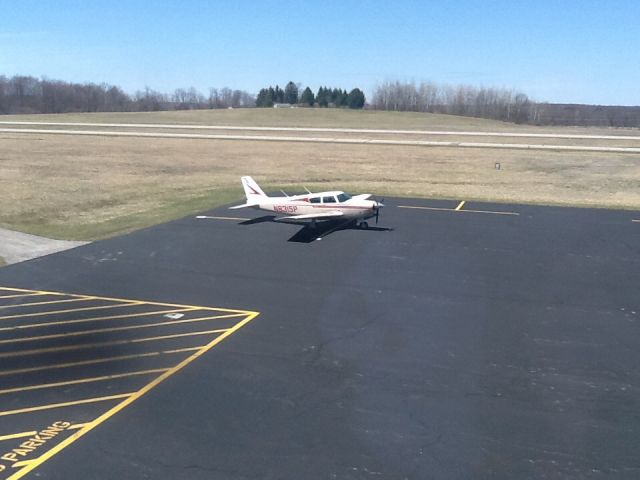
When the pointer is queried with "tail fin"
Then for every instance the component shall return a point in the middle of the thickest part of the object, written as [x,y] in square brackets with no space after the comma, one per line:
[252,191]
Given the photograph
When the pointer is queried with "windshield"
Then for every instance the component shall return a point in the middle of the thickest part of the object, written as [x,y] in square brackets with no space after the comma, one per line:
[343,197]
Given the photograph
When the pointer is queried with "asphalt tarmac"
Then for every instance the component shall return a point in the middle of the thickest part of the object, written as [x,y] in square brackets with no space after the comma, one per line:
[488,342]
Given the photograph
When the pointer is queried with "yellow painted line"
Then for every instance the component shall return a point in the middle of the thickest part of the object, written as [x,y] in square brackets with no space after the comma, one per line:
[22,295]
[95,319]
[64,404]
[78,426]
[53,312]
[456,210]
[105,416]
[222,218]
[114,299]
[40,292]
[95,361]
[460,205]
[47,303]
[17,435]
[69,348]
[115,329]
[23,463]
[79,381]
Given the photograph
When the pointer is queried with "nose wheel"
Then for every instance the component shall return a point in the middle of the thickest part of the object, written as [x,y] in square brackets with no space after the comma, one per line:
[364,225]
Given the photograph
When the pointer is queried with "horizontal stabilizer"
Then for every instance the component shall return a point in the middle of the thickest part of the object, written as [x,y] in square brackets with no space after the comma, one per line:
[244,205]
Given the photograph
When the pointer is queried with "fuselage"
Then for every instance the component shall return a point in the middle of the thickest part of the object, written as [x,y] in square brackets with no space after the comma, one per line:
[318,203]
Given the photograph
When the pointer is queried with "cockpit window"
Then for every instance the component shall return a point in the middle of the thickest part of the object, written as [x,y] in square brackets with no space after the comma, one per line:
[329,199]
[343,197]
[314,200]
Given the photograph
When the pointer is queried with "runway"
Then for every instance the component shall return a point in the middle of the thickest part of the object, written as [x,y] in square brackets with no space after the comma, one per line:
[459,340]
[325,130]
[141,131]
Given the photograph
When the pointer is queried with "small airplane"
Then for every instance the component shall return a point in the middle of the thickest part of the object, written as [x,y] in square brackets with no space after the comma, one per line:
[312,207]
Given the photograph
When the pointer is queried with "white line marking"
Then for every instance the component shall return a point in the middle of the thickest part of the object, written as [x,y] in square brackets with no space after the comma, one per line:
[455,210]
[329,130]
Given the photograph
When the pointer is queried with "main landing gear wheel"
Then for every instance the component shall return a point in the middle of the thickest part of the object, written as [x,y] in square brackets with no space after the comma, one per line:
[364,225]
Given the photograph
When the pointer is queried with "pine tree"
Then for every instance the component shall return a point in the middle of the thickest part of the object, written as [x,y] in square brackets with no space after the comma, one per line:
[307,97]
[355,98]
[321,97]
[291,93]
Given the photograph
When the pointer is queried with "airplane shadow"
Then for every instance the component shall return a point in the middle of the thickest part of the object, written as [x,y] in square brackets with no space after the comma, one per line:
[309,233]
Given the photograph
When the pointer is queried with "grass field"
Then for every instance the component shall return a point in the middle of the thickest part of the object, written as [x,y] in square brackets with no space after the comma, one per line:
[83,188]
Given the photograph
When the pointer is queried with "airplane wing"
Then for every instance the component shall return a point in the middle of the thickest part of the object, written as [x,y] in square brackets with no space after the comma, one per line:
[310,216]
[364,196]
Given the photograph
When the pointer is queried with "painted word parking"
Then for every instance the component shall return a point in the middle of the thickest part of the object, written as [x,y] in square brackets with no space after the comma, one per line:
[70,362]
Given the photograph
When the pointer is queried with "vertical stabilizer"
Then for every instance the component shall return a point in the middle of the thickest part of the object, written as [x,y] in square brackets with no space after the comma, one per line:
[253,192]
[251,189]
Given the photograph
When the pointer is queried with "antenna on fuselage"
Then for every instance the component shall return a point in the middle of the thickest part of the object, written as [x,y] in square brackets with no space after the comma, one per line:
[285,193]
[308,191]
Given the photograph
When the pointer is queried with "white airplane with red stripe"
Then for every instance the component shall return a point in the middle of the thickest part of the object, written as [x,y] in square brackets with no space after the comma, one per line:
[312,207]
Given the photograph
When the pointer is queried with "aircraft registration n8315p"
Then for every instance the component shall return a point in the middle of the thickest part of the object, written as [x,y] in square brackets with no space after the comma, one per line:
[312,207]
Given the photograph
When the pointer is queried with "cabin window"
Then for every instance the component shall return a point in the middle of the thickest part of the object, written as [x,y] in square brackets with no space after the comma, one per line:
[328,199]
[343,197]
[314,200]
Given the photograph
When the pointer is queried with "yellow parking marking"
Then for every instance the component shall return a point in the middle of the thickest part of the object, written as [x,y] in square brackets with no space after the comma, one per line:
[82,380]
[131,398]
[94,319]
[95,361]
[106,344]
[53,312]
[47,303]
[156,370]
[22,295]
[39,292]
[77,426]
[65,404]
[460,205]
[113,299]
[455,210]
[17,435]
[116,329]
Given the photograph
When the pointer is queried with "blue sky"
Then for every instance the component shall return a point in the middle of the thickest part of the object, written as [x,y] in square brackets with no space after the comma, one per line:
[578,51]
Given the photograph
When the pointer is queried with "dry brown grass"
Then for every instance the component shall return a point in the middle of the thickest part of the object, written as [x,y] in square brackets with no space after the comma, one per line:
[88,187]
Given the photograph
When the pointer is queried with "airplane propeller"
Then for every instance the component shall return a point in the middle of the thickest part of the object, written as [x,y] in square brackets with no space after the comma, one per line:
[377,206]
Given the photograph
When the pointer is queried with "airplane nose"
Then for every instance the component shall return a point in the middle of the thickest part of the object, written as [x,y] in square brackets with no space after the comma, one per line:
[376,206]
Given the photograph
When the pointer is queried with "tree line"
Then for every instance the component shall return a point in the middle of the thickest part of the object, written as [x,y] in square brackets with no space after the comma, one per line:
[498,104]
[325,97]
[25,94]
[495,103]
